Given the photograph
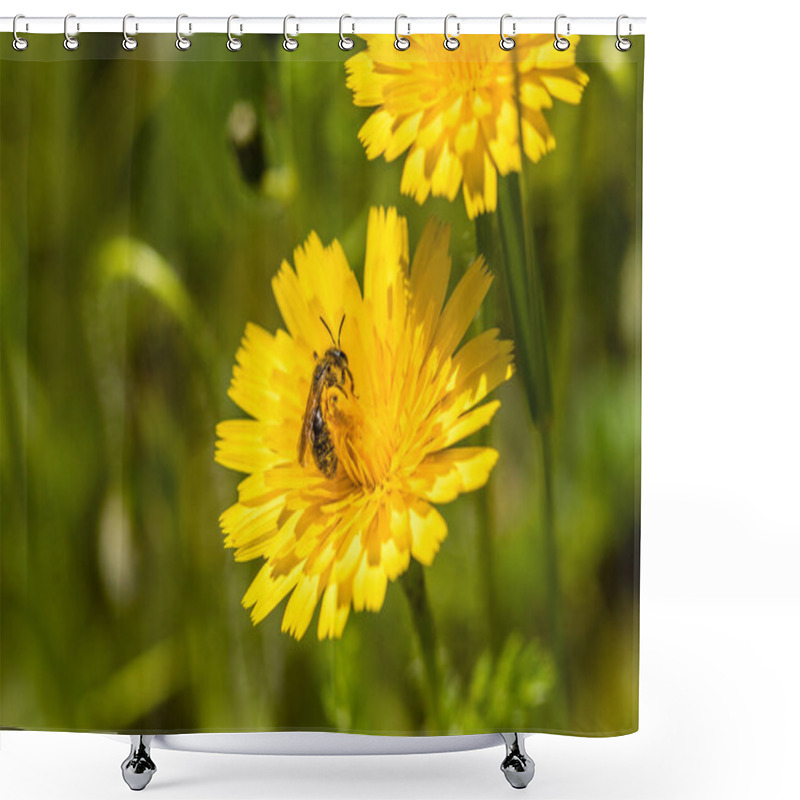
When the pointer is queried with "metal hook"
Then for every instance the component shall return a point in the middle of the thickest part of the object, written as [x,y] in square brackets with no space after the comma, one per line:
[128,42]
[451,42]
[345,42]
[561,44]
[70,42]
[19,44]
[507,42]
[623,45]
[290,44]
[181,42]
[234,44]
[400,42]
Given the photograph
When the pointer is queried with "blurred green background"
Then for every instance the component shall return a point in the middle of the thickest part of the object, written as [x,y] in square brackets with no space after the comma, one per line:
[147,200]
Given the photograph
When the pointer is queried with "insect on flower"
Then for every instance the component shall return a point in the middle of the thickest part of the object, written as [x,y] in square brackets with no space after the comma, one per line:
[330,376]
[333,534]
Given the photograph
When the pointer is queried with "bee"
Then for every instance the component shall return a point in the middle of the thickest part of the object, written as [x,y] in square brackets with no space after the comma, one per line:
[331,372]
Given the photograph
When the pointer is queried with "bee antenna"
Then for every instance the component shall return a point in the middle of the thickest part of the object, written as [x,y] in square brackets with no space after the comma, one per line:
[339,342]
[327,329]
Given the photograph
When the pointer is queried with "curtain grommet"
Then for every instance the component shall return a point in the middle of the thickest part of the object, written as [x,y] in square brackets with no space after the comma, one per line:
[622,44]
[507,42]
[181,41]
[401,43]
[128,42]
[345,42]
[71,43]
[451,43]
[18,43]
[234,43]
[290,43]
[559,42]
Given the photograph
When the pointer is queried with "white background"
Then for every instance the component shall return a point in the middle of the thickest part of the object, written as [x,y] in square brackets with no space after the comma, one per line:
[720,604]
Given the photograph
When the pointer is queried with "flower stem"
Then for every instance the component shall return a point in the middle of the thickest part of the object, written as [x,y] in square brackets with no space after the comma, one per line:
[527,304]
[486,242]
[553,579]
[413,582]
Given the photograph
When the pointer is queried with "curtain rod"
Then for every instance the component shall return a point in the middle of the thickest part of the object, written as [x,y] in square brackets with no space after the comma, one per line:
[630,26]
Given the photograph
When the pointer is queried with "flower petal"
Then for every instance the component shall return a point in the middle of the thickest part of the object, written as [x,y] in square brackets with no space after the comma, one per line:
[445,475]
[428,530]
[332,614]
[430,274]
[402,136]
[566,84]
[267,590]
[480,366]
[243,445]
[301,605]
[386,273]
[480,183]
[321,287]
[448,173]
[250,529]
[369,586]
[467,424]
[265,381]
[367,85]
[461,308]
[376,133]
[536,137]
[414,181]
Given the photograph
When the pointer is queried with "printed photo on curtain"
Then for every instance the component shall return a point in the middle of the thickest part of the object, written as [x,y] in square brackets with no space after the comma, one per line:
[320,385]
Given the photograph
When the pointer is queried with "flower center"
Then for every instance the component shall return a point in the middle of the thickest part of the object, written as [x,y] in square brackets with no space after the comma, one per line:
[364,451]
[466,77]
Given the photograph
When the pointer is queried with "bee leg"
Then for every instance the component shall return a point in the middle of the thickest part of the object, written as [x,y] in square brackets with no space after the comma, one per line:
[517,766]
[138,768]
[316,357]
[352,382]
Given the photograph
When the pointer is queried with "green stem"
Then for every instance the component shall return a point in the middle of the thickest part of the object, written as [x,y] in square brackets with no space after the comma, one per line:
[487,534]
[527,305]
[485,498]
[413,583]
[553,579]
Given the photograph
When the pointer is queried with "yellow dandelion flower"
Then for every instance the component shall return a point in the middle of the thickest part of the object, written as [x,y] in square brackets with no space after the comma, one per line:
[455,112]
[408,395]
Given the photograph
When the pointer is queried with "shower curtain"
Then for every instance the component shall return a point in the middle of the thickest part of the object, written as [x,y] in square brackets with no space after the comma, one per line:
[320,385]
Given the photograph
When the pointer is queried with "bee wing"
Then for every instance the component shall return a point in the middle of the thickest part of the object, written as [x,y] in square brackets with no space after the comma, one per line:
[314,396]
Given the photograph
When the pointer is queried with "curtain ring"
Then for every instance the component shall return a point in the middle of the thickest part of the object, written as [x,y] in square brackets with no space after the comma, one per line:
[128,42]
[345,42]
[234,44]
[560,43]
[400,42]
[290,44]
[19,44]
[451,42]
[507,42]
[70,42]
[181,42]
[623,45]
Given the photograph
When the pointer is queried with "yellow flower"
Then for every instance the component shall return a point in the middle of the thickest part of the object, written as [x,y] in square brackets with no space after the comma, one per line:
[412,394]
[455,112]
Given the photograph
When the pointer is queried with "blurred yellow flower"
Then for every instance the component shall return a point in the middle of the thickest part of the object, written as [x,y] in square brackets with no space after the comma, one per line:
[455,112]
[408,395]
